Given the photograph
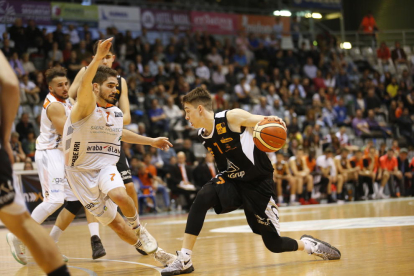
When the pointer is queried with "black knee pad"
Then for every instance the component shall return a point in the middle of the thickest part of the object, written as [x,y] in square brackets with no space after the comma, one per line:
[73,206]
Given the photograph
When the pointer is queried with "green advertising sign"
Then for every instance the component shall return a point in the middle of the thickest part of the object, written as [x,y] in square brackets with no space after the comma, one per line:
[69,11]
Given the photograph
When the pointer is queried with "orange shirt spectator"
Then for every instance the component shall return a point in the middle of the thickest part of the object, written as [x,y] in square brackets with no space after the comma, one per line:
[398,112]
[376,161]
[387,163]
[368,24]
[311,164]
[358,163]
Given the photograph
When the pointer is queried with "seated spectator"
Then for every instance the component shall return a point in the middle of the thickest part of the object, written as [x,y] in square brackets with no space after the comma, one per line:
[154,65]
[55,54]
[318,81]
[82,52]
[16,146]
[329,114]
[73,65]
[66,52]
[297,85]
[204,171]
[342,118]
[302,176]
[240,58]
[158,118]
[405,124]
[326,166]
[202,72]
[359,124]
[24,127]
[29,145]
[374,125]
[263,108]
[330,80]
[220,101]
[342,80]
[342,136]
[180,179]
[398,54]
[242,91]
[404,168]
[383,53]
[215,57]
[27,65]
[392,88]
[283,177]
[175,117]
[388,168]
[17,65]
[278,109]
[309,69]
[255,92]
[218,78]
[187,149]
[31,92]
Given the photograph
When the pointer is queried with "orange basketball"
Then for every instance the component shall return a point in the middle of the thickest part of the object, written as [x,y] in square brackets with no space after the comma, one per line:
[269,136]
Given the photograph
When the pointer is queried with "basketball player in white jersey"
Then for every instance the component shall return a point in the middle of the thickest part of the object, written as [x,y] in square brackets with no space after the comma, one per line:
[50,162]
[13,212]
[91,139]
[122,102]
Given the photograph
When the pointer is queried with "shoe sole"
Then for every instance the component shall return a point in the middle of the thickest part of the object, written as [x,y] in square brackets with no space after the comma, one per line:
[188,270]
[13,251]
[325,243]
[99,256]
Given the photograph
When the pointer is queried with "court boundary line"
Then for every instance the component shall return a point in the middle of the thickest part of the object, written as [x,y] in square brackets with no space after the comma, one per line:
[119,261]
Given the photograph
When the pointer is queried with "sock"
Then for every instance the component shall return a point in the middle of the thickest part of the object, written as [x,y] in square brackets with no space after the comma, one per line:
[61,271]
[308,248]
[292,198]
[133,221]
[186,253]
[280,199]
[94,228]
[309,195]
[55,233]
[381,190]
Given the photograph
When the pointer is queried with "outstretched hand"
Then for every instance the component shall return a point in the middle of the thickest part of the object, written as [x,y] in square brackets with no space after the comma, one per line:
[103,48]
[161,143]
[276,119]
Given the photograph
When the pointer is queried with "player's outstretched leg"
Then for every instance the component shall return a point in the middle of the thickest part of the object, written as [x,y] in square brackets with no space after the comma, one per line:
[320,248]
[98,250]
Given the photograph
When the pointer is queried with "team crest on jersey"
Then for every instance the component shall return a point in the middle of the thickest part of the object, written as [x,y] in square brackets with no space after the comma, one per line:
[221,128]
[234,171]
[229,148]
[226,140]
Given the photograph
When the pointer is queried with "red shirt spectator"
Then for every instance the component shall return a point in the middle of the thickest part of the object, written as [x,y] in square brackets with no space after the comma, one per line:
[388,164]
[383,52]
[368,24]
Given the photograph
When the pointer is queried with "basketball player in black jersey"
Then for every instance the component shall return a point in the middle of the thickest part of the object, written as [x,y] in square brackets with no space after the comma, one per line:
[13,212]
[245,179]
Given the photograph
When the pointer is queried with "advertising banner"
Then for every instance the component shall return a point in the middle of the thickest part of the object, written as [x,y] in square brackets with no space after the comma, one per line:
[318,4]
[163,20]
[74,12]
[123,18]
[26,10]
[215,23]
[262,24]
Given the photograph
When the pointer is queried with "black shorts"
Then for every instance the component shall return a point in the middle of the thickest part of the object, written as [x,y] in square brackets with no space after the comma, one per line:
[7,191]
[123,168]
[257,199]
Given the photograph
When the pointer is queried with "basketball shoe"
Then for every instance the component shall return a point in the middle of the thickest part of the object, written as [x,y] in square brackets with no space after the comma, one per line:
[98,251]
[179,266]
[17,248]
[146,242]
[321,249]
[164,258]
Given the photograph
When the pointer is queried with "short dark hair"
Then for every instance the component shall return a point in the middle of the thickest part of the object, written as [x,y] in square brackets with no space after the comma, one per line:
[55,72]
[199,96]
[103,73]
[95,47]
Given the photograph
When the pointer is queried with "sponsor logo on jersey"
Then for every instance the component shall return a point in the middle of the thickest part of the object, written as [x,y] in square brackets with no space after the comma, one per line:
[234,172]
[58,180]
[102,148]
[263,221]
[53,192]
[33,197]
[229,148]
[221,128]
[91,205]
[118,114]
[226,140]
[75,153]
[103,211]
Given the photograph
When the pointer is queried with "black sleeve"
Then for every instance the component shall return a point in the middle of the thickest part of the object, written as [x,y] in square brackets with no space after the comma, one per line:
[366,163]
[353,164]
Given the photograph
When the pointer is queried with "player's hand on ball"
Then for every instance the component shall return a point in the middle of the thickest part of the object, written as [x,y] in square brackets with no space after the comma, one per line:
[161,143]
[276,119]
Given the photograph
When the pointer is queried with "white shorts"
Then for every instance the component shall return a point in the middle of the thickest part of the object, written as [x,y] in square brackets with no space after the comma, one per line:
[92,187]
[51,169]
[18,206]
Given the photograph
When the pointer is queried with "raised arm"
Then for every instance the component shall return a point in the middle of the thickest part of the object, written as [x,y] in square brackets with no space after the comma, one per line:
[57,115]
[133,138]
[73,89]
[86,98]
[124,103]
[9,102]
[238,118]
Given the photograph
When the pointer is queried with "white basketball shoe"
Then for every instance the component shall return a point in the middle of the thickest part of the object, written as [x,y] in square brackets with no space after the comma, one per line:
[164,258]
[17,248]
[146,242]
[179,266]
[321,249]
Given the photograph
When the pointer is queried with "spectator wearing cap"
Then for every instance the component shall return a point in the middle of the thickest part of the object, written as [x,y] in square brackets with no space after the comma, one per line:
[388,168]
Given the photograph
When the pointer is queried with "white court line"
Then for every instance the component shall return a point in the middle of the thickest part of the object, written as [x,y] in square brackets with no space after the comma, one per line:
[90,272]
[174,222]
[118,261]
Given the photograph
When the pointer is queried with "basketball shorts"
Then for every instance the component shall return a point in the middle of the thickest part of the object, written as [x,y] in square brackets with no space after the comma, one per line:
[256,197]
[11,198]
[51,169]
[123,168]
[91,187]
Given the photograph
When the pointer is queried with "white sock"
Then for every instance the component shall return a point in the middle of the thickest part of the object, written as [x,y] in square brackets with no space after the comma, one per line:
[94,228]
[133,221]
[308,248]
[280,199]
[186,253]
[292,198]
[55,233]
[381,190]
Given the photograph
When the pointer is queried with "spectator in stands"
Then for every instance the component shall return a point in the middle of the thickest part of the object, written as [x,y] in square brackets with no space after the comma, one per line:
[278,29]
[204,171]
[28,66]
[55,54]
[372,101]
[310,70]
[29,145]
[17,65]
[296,84]
[202,72]
[158,118]
[369,27]
[342,118]
[375,126]
[342,80]
[405,124]
[175,116]
[7,49]
[263,108]
[215,57]
[16,145]
[73,65]
[326,166]
[342,136]
[17,34]
[28,165]
[359,124]
[242,91]
[218,78]
[302,176]
[278,109]
[330,80]
[187,149]
[329,114]
[319,82]
[388,168]
[398,54]
[30,90]
[404,168]
[383,53]
[58,35]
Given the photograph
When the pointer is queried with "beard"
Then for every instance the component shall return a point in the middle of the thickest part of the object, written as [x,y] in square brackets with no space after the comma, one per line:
[60,97]
[109,99]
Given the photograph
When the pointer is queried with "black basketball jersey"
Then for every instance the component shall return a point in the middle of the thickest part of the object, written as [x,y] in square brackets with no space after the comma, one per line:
[235,153]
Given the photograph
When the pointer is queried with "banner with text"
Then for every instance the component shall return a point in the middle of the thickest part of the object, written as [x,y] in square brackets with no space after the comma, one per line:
[74,12]
[26,10]
[215,23]
[162,20]
[263,24]
[122,18]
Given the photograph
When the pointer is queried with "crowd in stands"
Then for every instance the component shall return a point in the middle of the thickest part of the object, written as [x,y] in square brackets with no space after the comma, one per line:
[331,103]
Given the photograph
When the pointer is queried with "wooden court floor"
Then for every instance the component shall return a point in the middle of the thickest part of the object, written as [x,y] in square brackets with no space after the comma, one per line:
[375,238]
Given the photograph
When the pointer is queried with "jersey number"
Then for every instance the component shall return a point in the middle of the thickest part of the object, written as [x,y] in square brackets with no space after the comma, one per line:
[112,177]
[107,116]
[221,180]
[218,148]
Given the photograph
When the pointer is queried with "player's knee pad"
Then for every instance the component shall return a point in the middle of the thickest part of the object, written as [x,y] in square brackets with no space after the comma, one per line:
[73,206]
[44,210]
